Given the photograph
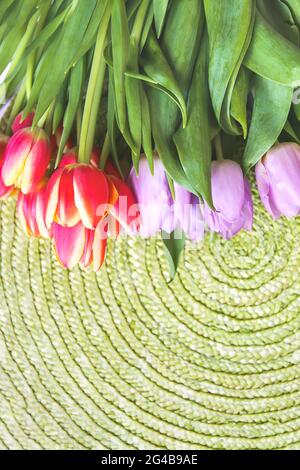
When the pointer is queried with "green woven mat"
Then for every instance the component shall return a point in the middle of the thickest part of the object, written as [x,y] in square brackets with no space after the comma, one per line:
[125,360]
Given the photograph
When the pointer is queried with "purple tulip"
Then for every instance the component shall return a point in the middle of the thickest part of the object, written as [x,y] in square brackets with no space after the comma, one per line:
[231,198]
[157,207]
[278,180]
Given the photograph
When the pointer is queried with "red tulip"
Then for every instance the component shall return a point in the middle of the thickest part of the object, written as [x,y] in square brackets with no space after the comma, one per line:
[20,123]
[31,209]
[26,159]
[125,210]
[78,244]
[77,193]
[5,191]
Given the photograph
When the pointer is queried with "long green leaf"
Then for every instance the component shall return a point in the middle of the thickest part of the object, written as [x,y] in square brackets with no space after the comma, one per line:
[120,48]
[160,72]
[272,56]
[193,143]
[75,93]
[174,245]
[70,39]
[180,46]
[230,26]
[146,129]
[160,10]
[239,99]
[271,108]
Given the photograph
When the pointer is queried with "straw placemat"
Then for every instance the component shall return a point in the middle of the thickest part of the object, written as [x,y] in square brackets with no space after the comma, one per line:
[126,360]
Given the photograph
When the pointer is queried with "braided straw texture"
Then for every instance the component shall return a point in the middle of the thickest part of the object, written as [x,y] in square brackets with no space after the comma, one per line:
[125,360]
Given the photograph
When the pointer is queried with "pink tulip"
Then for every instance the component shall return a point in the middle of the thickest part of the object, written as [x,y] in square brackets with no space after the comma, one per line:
[158,209]
[79,245]
[31,209]
[26,159]
[231,198]
[278,180]
[21,123]
[5,191]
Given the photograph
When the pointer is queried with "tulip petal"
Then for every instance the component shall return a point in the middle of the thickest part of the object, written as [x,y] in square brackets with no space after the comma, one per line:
[20,212]
[36,165]
[40,213]
[69,244]
[5,191]
[264,189]
[67,159]
[228,189]
[99,245]
[153,195]
[125,210]
[67,213]
[282,164]
[16,153]
[91,194]
[87,256]
[247,210]
[52,196]
[20,123]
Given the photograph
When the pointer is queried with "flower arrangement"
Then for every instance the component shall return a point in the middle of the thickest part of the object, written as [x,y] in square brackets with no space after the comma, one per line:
[121,118]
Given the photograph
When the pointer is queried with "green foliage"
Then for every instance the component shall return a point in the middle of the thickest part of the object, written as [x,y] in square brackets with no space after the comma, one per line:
[178,71]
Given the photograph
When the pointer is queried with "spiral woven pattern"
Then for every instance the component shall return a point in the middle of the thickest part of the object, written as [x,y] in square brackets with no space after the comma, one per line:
[126,360]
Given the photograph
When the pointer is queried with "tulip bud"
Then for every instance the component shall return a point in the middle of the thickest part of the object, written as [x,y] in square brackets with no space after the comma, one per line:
[26,159]
[5,191]
[79,245]
[31,209]
[158,209]
[20,123]
[231,198]
[278,180]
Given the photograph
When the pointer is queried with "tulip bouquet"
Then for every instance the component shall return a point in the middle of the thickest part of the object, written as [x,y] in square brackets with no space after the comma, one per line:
[147,116]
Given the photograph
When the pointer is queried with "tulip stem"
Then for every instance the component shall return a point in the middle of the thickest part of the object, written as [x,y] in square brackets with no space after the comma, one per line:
[218,147]
[94,92]
[17,104]
[105,152]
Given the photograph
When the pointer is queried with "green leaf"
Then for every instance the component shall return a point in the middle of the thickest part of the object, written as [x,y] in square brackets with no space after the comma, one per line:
[193,143]
[294,6]
[239,99]
[272,103]
[288,128]
[134,109]
[75,93]
[180,46]
[160,10]
[120,48]
[111,121]
[272,56]
[230,26]
[159,71]
[92,29]
[174,244]
[280,17]
[146,129]
[59,106]
[54,72]
[46,33]
[4,6]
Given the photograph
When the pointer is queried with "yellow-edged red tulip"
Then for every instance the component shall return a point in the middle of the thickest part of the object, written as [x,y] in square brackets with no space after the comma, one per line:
[31,211]
[26,159]
[76,193]
[5,191]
